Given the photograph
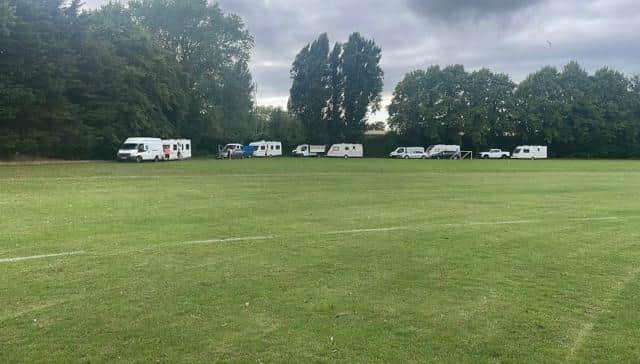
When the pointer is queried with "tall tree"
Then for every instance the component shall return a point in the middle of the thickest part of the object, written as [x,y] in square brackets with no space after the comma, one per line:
[335,103]
[540,107]
[214,50]
[490,105]
[309,91]
[363,79]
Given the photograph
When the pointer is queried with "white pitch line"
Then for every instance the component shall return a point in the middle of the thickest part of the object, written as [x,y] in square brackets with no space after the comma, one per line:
[19,259]
[512,222]
[227,240]
[610,218]
[357,231]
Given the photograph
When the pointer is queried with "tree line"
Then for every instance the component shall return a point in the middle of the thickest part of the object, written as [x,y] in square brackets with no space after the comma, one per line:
[575,113]
[75,83]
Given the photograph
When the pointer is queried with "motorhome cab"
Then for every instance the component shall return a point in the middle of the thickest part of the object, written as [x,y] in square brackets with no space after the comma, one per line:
[346,151]
[442,151]
[267,149]
[176,149]
[141,149]
[408,153]
[307,150]
[530,152]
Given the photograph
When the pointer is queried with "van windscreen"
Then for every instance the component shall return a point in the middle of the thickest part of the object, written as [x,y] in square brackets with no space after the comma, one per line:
[129,146]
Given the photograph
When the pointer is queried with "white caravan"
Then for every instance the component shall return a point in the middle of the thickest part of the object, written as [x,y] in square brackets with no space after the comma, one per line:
[141,149]
[267,149]
[408,153]
[346,151]
[530,152]
[306,150]
[176,149]
[444,151]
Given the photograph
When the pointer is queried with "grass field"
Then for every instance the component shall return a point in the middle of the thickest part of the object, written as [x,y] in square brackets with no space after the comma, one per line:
[320,261]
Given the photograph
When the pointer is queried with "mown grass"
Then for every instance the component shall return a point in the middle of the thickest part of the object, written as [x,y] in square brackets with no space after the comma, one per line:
[490,261]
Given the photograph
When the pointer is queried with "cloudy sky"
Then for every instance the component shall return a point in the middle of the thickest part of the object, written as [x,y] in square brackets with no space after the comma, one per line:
[509,36]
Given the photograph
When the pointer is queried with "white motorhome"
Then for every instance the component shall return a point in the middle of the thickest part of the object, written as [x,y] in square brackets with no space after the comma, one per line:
[176,149]
[530,152]
[346,151]
[267,149]
[141,149]
[408,153]
[443,151]
[307,150]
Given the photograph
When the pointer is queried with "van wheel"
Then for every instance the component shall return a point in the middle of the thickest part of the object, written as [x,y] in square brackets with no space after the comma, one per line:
[346,156]
[504,157]
[156,159]
[485,157]
[139,159]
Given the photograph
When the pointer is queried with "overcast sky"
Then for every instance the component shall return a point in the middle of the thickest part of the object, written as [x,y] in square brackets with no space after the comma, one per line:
[509,36]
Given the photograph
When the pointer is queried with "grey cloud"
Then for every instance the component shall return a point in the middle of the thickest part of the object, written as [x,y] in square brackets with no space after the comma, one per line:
[458,9]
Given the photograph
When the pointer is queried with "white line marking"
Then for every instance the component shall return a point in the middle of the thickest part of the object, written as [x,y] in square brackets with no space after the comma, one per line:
[513,222]
[19,259]
[610,218]
[356,231]
[227,240]
[587,328]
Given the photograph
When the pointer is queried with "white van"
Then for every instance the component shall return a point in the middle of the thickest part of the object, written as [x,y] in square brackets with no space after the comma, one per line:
[267,149]
[176,149]
[141,149]
[408,153]
[530,152]
[306,150]
[443,151]
[346,151]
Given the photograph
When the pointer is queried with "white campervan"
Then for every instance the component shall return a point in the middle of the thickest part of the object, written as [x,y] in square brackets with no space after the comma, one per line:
[442,151]
[408,153]
[530,152]
[141,149]
[267,149]
[176,149]
[346,151]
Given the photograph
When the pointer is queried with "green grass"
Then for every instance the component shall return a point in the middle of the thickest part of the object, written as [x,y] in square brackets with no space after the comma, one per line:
[493,261]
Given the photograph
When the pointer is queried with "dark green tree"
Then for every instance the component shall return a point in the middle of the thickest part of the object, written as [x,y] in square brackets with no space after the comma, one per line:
[363,81]
[335,104]
[214,50]
[309,91]
[540,110]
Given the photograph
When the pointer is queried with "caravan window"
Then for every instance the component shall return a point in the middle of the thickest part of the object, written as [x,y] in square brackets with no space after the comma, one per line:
[346,148]
[271,147]
[336,148]
[175,147]
[277,147]
[262,147]
[527,151]
[188,146]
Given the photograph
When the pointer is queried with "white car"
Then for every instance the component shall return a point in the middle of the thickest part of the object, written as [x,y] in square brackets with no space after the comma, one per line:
[495,154]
